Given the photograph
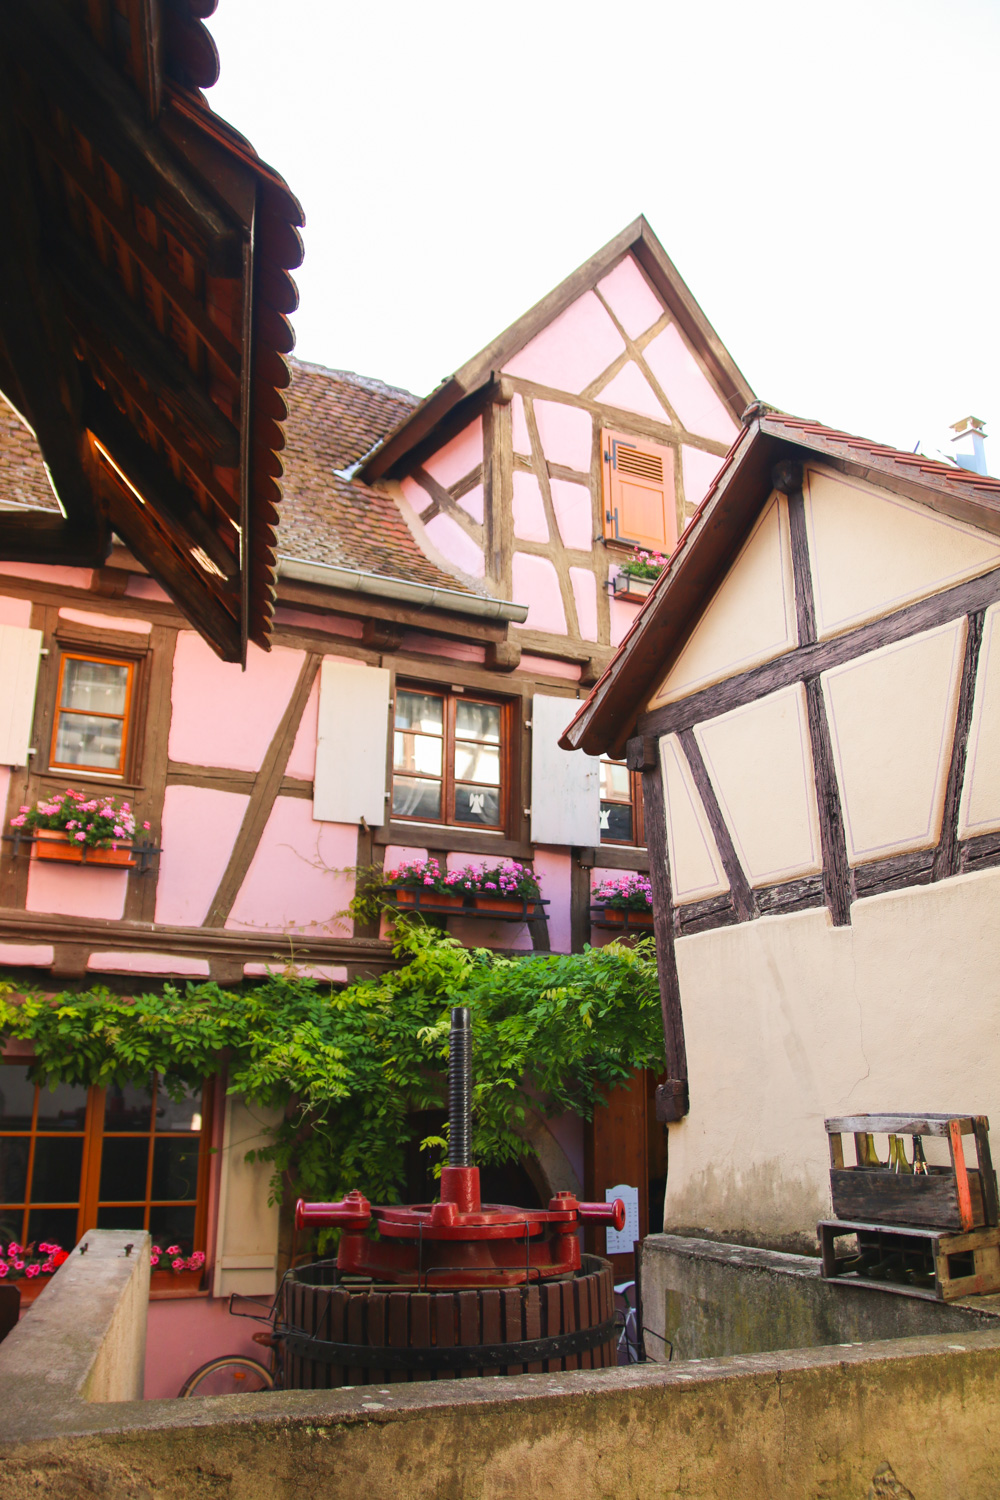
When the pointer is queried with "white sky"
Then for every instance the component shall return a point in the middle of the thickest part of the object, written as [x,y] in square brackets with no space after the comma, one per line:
[824,178]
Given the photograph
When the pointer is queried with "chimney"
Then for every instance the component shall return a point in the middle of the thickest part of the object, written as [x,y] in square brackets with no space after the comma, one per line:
[970,429]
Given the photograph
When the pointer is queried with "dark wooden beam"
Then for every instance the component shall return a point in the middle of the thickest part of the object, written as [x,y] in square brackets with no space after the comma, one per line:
[44,537]
[787,477]
[676,1099]
[742,895]
[947,854]
[837,886]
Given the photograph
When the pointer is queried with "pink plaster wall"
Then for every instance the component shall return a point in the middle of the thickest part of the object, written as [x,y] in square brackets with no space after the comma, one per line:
[554,870]
[687,388]
[631,391]
[326,973]
[183,1333]
[528,509]
[4,784]
[27,955]
[295,881]
[415,496]
[585,594]
[70,578]
[459,457]
[566,433]
[14,611]
[302,761]
[473,503]
[433,645]
[76,890]
[453,543]
[573,350]
[106,622]
[543,666]
[631,298]
[622,615]
[199,830]
[519,423]
[700,469]
[222,716]
[574,510]
[306,619]
[536,584]
[140,587]
[165,965]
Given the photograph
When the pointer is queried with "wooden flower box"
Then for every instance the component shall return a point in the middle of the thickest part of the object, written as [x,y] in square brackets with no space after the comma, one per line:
[421,898]
[617,916]
[954,1197]
[30,1287]
[508,908]
[54,843]
[634,589]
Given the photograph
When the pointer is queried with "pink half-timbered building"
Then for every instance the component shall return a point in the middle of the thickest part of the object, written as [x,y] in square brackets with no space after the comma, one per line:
[449,589]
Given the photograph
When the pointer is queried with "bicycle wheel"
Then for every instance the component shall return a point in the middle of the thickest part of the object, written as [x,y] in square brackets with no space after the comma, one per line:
[229,1375]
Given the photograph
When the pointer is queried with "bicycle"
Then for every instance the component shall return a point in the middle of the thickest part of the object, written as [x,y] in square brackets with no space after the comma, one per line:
[238,1374]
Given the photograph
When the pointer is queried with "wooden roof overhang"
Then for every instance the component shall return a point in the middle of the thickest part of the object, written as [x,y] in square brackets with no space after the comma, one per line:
[718,530]
[144,301]
[454,399]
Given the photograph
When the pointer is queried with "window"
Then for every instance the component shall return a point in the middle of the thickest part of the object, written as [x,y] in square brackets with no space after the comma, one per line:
[92,713]
[621,804]
[73,1159]
[639,503]
[447,759]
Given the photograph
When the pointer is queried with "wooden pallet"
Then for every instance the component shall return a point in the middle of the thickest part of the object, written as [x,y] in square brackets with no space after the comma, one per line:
[945,1197]
[943,1266]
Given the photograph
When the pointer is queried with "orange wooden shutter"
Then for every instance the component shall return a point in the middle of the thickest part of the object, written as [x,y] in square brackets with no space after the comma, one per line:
[639,504]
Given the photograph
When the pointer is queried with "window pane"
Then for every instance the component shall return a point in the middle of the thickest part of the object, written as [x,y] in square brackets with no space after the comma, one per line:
[128,1107]
[123,1168]
[17,1098]
[53,1224]
[415,799]
[172,1226]
[62,1108]
[98,687]
[11,1220]
[417,752]
[615,781]
[616,822]
[82,741]
[175,1167]
[183,1114]
[477,763]
[13,1169]
[477,804]
[420,711]
[121,1218]
[55,1177]
[480,721]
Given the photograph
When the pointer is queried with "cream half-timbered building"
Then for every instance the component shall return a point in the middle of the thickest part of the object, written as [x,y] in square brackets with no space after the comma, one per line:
[446,596]
[813,697]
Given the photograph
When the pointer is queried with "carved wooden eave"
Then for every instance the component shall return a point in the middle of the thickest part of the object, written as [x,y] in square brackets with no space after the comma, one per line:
[144,294]
[719,528]
[457,399]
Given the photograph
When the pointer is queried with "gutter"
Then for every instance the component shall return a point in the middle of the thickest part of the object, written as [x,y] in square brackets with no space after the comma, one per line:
[423,595]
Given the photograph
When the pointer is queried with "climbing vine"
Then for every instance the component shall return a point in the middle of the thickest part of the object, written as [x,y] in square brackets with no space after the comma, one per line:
[349,1067]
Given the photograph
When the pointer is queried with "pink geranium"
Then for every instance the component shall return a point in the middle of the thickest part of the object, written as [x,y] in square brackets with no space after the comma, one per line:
[178,1264]
[32,1270]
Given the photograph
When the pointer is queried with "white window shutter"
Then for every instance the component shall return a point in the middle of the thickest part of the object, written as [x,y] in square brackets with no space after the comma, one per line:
[20,649]
[246,1242]
[350,781]
[565,784]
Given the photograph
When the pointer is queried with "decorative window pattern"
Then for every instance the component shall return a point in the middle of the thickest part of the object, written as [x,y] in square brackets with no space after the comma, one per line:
[124,1157]
[92,713]
[448,757]
[621,804]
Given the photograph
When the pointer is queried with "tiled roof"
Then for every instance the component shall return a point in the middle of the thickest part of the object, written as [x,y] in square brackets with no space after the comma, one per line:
[334,418]
[23,480]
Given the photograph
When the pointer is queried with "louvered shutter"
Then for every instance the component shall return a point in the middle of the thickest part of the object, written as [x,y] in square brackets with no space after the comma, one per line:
[350,780]
[20,649]
[565,784]
[639,502]
[246,1244]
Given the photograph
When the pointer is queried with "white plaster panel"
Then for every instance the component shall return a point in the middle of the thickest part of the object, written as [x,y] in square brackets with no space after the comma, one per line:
[629,390]
[751,617]
[759,759]
[566,434]
[519,424]
[979,811]
[528,508]
[687,387]
[573,350]
[574,513]
[459,457]
[700,469]
[892,721]
[872,552]
[456,546]
[631,298]
[695,866]
[585,597]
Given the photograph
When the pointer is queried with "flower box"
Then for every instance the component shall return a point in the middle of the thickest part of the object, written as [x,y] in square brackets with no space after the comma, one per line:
[634,589]
[421,898]
[163,1284]
[510,908]
[30,1288]
[618,916]
[53,843]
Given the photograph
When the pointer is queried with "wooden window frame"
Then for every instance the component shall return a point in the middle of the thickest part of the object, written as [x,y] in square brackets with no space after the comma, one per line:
[452,697]
[610,437]
[638,839]
[93,1135]
[70,651]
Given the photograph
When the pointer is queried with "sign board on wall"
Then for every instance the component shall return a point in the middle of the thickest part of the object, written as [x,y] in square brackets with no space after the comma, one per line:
[620,1242]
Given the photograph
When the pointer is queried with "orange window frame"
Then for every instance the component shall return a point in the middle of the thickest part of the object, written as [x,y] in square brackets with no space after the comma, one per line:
[92,1133]
[124,717]
[448,778]
[638,839]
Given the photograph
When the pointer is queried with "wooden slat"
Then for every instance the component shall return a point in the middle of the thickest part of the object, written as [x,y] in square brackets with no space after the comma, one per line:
[585,1318]
[961,1176]
[552,1317]
[398,1328]
[375,1308]
[533,1324]
[445,1324]
[899,1124]
[513,1322]
[354,1334]
[570,1321]
[420,1326]
[987,1176]
[468,1323]
[491,1322]
[336,1324]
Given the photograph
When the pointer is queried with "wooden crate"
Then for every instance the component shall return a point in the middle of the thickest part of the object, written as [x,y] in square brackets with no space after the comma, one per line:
[917,1262]
[953,1197]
